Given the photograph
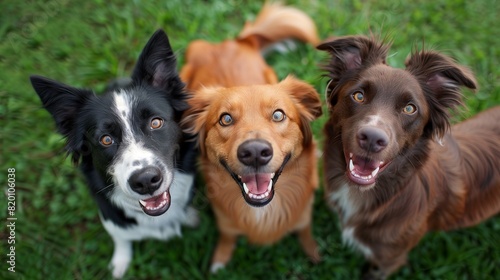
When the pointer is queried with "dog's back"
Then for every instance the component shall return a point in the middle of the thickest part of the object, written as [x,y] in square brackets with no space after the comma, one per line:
[473,162]
[239,62]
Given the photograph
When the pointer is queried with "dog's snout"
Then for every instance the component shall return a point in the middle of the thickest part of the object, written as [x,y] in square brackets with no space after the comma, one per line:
[146,180]
[255,152]
[372,139]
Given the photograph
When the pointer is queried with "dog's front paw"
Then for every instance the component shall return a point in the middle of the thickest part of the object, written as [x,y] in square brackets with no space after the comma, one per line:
[122,255]
[372,272]
[192,217]
[118,268]
[216,267]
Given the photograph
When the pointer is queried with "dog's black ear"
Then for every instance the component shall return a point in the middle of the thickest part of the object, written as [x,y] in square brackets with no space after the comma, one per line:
[156,67]
[441,78]
[64,104]
[349,54]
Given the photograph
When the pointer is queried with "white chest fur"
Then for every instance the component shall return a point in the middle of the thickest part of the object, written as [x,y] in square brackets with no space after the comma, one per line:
[346,208]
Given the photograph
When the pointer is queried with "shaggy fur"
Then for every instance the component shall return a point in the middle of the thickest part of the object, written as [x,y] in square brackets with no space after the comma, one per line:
[239,62]
[131,149]
[394,167]
[274,120]
[271,205]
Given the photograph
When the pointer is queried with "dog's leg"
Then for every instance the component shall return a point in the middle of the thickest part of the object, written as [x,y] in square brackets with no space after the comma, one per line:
[122,255]
[308,243]
[223,251]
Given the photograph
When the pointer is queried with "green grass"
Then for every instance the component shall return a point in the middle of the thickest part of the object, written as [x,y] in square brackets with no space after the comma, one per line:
[88,43]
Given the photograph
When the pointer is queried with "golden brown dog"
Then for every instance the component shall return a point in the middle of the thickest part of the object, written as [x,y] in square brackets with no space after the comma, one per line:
[258,156]
[394,169]
[259,162]
[239,62]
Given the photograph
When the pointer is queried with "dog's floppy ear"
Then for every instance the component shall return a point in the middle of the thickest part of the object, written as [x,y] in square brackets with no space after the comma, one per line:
[156,67]
[64,103]
[195,118]
[307,102]
[441,78]
[349,54]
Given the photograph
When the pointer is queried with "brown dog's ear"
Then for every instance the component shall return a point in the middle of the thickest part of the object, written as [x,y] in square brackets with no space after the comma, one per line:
[441,78]
[305,96]
[194,118]
[349,54]
[307,102]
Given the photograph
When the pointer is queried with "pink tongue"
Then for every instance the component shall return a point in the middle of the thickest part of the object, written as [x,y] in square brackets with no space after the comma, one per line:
[154,202]
[257,183]
[364,166]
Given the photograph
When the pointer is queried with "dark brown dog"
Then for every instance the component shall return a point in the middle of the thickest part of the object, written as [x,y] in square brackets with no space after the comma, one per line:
[393,167]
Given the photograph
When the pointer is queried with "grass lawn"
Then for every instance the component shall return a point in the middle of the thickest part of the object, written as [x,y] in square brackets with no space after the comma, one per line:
[88,43]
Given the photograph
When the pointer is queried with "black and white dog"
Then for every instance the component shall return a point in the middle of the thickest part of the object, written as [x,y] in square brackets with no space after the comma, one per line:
[128,143]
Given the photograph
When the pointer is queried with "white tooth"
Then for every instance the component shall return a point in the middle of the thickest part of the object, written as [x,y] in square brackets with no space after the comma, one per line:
[351,165]
[143,203]
[272,175]
[269,187]
[374,173]
[245,188]
[350,155]
[239,176]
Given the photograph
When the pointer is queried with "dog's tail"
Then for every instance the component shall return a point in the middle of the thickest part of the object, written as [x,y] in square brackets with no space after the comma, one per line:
[276,23]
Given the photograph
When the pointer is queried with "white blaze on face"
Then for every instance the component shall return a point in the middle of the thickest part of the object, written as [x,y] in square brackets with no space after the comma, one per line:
[132,154]
[373,120]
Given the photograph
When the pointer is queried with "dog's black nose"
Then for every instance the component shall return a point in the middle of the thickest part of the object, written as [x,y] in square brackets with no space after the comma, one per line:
[146,180]
[255,152]
[372,139]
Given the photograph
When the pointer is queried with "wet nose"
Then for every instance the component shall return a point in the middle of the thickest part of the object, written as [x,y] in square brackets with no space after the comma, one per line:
[255,152]
[372,139]
[146,180]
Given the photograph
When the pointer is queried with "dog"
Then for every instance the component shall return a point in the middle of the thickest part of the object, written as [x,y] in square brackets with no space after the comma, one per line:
[259,161]
[239,62]
[229,81]
[131,149]
[394,166]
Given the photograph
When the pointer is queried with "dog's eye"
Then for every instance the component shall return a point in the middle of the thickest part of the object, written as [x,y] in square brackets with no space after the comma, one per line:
[106,140]
[278,116]
[410,109]
[358,97]
[225,120]
[156,123]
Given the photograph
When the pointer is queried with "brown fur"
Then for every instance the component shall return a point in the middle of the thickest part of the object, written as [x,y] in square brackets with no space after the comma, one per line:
[432,177]
[248,90]
[239,62]
[251,108]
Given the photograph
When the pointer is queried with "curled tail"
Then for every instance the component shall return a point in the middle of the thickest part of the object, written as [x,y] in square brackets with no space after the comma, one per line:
[276,23]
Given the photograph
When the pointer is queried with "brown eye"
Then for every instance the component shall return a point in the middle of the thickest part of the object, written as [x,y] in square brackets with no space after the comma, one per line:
[410,109]
[278,116]
[358,97]
[156,123]
[225,120]
[106,140]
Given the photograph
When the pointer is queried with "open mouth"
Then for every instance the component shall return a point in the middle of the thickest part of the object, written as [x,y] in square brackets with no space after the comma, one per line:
[362,170]
[257,188]
[157,205]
